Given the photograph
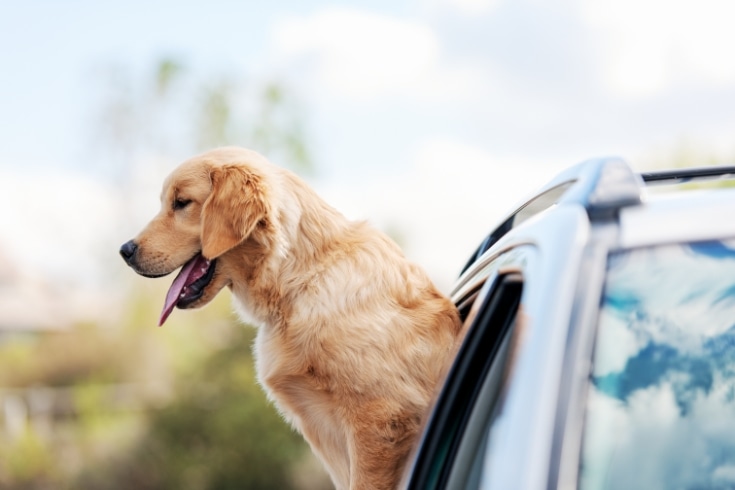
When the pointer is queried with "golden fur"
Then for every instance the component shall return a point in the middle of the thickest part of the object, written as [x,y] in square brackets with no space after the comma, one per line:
[352,337]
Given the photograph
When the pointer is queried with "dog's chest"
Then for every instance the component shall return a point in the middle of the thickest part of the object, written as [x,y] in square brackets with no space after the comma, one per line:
[244,311]
[307,406]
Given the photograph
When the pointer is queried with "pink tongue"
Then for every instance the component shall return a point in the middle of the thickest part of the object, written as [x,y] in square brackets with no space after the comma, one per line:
[174,292]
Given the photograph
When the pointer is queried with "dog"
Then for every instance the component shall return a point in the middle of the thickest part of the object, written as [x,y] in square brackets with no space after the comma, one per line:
[352,337]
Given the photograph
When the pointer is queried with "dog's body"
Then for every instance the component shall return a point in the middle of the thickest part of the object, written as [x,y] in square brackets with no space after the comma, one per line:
[352,337]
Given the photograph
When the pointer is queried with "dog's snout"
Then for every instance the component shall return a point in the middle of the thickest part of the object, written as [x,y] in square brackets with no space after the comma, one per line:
[127,251]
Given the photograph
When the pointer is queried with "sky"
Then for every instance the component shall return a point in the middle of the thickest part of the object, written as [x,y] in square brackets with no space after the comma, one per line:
[429,118]
[662,395]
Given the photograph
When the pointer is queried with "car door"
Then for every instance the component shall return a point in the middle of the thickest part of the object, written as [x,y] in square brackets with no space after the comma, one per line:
[455,434]
[492,423]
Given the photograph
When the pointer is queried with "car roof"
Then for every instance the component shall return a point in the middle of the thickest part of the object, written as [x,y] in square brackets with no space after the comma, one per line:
[689,215]
[609,189]
[560,239]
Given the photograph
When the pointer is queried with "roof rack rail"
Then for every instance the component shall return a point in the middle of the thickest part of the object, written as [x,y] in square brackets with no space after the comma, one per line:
[602,186]
[682,175]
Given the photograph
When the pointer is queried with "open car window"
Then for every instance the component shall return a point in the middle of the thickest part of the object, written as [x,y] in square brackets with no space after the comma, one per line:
[661,401]
[454,441]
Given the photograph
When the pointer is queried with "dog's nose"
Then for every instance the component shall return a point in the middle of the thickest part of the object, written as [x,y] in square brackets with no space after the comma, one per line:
[127,251]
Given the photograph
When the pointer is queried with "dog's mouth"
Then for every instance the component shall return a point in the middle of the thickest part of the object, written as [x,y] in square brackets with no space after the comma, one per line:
[189,285]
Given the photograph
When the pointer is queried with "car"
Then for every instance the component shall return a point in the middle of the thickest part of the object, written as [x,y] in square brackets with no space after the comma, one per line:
[600,344]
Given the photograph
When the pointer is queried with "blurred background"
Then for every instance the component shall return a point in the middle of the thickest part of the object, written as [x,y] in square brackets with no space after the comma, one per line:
[430,118]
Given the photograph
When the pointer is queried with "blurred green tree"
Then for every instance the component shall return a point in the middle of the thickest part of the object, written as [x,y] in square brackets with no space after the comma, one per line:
[216,430]
[218,433]
[276,128]
[171,113]
[688,153]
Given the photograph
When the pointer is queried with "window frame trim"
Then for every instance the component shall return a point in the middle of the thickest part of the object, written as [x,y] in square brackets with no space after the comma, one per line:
[422,471]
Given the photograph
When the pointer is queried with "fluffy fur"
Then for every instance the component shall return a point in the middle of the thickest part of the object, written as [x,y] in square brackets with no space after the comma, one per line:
[352,337]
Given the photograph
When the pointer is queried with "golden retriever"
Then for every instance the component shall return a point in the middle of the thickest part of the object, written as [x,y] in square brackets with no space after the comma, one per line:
[352,337]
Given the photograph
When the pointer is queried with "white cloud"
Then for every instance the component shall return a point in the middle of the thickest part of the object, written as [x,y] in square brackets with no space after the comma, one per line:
[467,7]
[647,442]
[58,224]
[58,249]
[724,475]
[360,53]
[365,55]
[653,45]
[677,289]
[449,197]
[678,413]
[619,341]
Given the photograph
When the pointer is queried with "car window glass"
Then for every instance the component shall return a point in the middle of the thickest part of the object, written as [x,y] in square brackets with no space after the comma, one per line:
[486,269]
[445,444]
[660,411]
[495,428]
[468,463]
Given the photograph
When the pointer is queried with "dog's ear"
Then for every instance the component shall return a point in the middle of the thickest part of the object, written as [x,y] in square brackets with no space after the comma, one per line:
[235,207]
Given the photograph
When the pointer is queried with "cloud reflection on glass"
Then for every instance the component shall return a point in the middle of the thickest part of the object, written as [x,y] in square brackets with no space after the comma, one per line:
[661,406]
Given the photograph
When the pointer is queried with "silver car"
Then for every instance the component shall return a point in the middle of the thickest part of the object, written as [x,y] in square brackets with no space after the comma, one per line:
[601,345]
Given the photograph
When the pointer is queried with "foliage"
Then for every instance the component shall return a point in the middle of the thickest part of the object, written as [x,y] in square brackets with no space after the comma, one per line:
[688,154]
[125,405]
[27,463]
[208,427]
[219,433]
[47,360]
[171,112]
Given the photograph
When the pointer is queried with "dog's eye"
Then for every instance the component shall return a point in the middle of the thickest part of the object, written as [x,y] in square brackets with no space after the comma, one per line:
[181,203]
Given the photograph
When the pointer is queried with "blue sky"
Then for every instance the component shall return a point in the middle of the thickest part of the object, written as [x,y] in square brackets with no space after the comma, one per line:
[431,117]
[559,80]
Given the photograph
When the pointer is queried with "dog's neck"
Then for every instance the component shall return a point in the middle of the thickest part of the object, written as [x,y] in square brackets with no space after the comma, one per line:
[310,225]
[306,230]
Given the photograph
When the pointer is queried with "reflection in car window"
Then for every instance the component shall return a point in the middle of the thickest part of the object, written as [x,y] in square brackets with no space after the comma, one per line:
[661,408]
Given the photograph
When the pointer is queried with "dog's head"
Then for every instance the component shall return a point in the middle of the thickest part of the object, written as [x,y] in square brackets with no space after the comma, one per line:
[211,206]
